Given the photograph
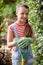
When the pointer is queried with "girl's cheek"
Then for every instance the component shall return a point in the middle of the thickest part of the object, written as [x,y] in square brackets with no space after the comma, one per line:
[21,17]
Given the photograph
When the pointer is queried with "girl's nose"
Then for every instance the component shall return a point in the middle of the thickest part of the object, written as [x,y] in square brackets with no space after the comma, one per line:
[25,16]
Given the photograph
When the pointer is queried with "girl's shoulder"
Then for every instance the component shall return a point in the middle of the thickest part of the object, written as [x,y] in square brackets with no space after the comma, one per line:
[30,24]
[11,25]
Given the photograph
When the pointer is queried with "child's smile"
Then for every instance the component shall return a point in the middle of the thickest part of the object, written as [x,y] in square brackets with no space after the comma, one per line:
[22,14]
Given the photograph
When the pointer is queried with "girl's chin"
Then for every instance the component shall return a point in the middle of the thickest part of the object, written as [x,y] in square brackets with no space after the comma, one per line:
[23,20]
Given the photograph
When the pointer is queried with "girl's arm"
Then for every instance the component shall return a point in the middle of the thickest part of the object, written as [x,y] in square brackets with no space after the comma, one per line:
[10,37]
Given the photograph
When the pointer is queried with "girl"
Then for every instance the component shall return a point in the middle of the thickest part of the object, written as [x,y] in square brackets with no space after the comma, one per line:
[21,28]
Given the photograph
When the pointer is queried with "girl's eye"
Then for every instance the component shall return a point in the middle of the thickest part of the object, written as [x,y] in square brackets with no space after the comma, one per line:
[26,13]
[22,13]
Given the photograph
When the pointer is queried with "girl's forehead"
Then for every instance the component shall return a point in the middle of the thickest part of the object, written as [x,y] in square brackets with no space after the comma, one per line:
[23,9]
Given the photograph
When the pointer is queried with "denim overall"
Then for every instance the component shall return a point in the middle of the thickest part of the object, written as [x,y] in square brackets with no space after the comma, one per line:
[16,54]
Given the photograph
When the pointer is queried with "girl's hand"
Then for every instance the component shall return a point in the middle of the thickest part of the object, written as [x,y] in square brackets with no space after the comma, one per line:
[15,40]
[14,48]
[24,42]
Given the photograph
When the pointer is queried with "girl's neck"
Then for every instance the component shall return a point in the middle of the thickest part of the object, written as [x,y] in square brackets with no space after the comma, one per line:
[20,22]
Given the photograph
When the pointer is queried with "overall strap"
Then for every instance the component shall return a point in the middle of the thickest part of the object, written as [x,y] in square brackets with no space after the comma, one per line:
[15,31]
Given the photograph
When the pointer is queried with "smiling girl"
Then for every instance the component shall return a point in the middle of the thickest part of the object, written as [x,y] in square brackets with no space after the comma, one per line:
[23,29]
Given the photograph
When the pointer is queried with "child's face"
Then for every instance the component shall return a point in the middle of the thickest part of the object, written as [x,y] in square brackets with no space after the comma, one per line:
[22,14]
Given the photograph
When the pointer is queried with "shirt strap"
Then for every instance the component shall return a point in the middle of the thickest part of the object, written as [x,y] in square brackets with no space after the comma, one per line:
[15,30]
